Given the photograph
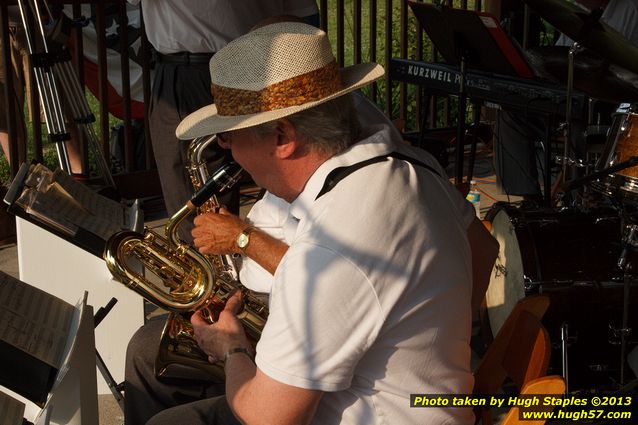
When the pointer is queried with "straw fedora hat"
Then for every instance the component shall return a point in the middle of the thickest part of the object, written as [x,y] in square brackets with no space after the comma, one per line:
[270,73]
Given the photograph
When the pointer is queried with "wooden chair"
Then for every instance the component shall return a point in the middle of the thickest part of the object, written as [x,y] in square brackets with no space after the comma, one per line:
[520,352]
[547,385]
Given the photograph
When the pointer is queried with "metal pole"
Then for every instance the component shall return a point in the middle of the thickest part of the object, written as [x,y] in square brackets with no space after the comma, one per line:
[49,72]
[564,338]
[47,88]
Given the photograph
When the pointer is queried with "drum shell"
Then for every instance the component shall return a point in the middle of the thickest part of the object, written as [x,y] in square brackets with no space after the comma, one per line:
[562,246]
[571,256]
[621,145]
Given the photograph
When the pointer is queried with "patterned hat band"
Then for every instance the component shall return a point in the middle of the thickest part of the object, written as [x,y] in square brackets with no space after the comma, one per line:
[304,88]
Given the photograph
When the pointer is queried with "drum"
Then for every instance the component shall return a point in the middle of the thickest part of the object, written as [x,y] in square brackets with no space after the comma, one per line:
[621,145]
[571,256]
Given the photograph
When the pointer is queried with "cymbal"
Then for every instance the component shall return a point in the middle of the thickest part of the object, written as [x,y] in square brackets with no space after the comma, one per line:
[588,31]
[593,74]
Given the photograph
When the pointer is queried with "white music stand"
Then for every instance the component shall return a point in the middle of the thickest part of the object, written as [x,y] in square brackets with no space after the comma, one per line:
[72,399]
[60,268]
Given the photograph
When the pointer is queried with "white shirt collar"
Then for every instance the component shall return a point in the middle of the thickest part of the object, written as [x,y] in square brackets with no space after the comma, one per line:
[377,141]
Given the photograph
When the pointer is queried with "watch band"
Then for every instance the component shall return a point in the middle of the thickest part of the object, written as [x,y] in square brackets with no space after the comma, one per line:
[244,236]
[236,350]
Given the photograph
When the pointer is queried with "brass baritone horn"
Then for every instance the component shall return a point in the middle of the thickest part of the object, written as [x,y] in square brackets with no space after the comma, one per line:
[187,273]
[192,281]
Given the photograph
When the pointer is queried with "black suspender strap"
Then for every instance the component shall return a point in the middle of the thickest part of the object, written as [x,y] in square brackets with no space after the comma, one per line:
[340,173]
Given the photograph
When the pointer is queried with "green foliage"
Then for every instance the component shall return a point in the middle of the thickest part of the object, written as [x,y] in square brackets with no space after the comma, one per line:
[382,16]
[411,36]
[4,170]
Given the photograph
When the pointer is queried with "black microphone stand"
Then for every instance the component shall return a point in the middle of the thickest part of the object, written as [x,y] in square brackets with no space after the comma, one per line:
[462,105]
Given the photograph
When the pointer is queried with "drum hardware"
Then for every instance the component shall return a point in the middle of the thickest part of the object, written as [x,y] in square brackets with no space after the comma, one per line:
[593,74]
[618,333]
[568,108]
[576,183]
[560,128]
[567,125]
[53,69]
[570,255]
[621,144]
[629,241]
[596,130]
[578,163]
[588,31]
[564,343]
[565,128]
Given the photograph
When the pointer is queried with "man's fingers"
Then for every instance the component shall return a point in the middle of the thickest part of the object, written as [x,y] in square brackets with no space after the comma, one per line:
[234,303]
[199,219]
[197,319]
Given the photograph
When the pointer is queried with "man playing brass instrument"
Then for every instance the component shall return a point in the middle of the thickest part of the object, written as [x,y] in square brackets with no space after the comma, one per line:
[371,301]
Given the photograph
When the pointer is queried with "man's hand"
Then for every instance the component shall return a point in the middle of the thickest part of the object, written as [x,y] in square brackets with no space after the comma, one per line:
[227,333]
[217,233]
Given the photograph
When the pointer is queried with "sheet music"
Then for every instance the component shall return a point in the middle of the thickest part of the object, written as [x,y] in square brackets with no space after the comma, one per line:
[106,208]
[11,410]
[33,320]
[56,205]
[58,200]
[45,207]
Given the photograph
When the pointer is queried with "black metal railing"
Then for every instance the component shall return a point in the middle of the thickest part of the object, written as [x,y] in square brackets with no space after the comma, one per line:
[361,31]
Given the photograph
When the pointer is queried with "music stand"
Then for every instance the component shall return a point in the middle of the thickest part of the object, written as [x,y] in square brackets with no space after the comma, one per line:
[468,38]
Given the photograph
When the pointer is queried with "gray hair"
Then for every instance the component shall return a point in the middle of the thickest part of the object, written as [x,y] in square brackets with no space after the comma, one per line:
[330,127]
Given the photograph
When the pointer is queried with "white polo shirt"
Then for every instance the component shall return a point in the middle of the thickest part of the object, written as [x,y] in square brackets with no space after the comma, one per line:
[372,300]
[205,26]
[269,215]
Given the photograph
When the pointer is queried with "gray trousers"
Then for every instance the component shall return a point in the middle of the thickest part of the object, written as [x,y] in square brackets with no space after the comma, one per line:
[178,90]
[183,396]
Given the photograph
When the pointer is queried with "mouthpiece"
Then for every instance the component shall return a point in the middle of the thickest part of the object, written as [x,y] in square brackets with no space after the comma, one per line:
[223,179]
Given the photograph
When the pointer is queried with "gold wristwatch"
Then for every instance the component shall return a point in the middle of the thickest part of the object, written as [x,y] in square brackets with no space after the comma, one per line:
[243,239]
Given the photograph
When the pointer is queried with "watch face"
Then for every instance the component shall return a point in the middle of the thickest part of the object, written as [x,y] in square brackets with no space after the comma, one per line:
[242,240]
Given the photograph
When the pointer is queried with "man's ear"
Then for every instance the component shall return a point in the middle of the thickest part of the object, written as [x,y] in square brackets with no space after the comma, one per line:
[287,139]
